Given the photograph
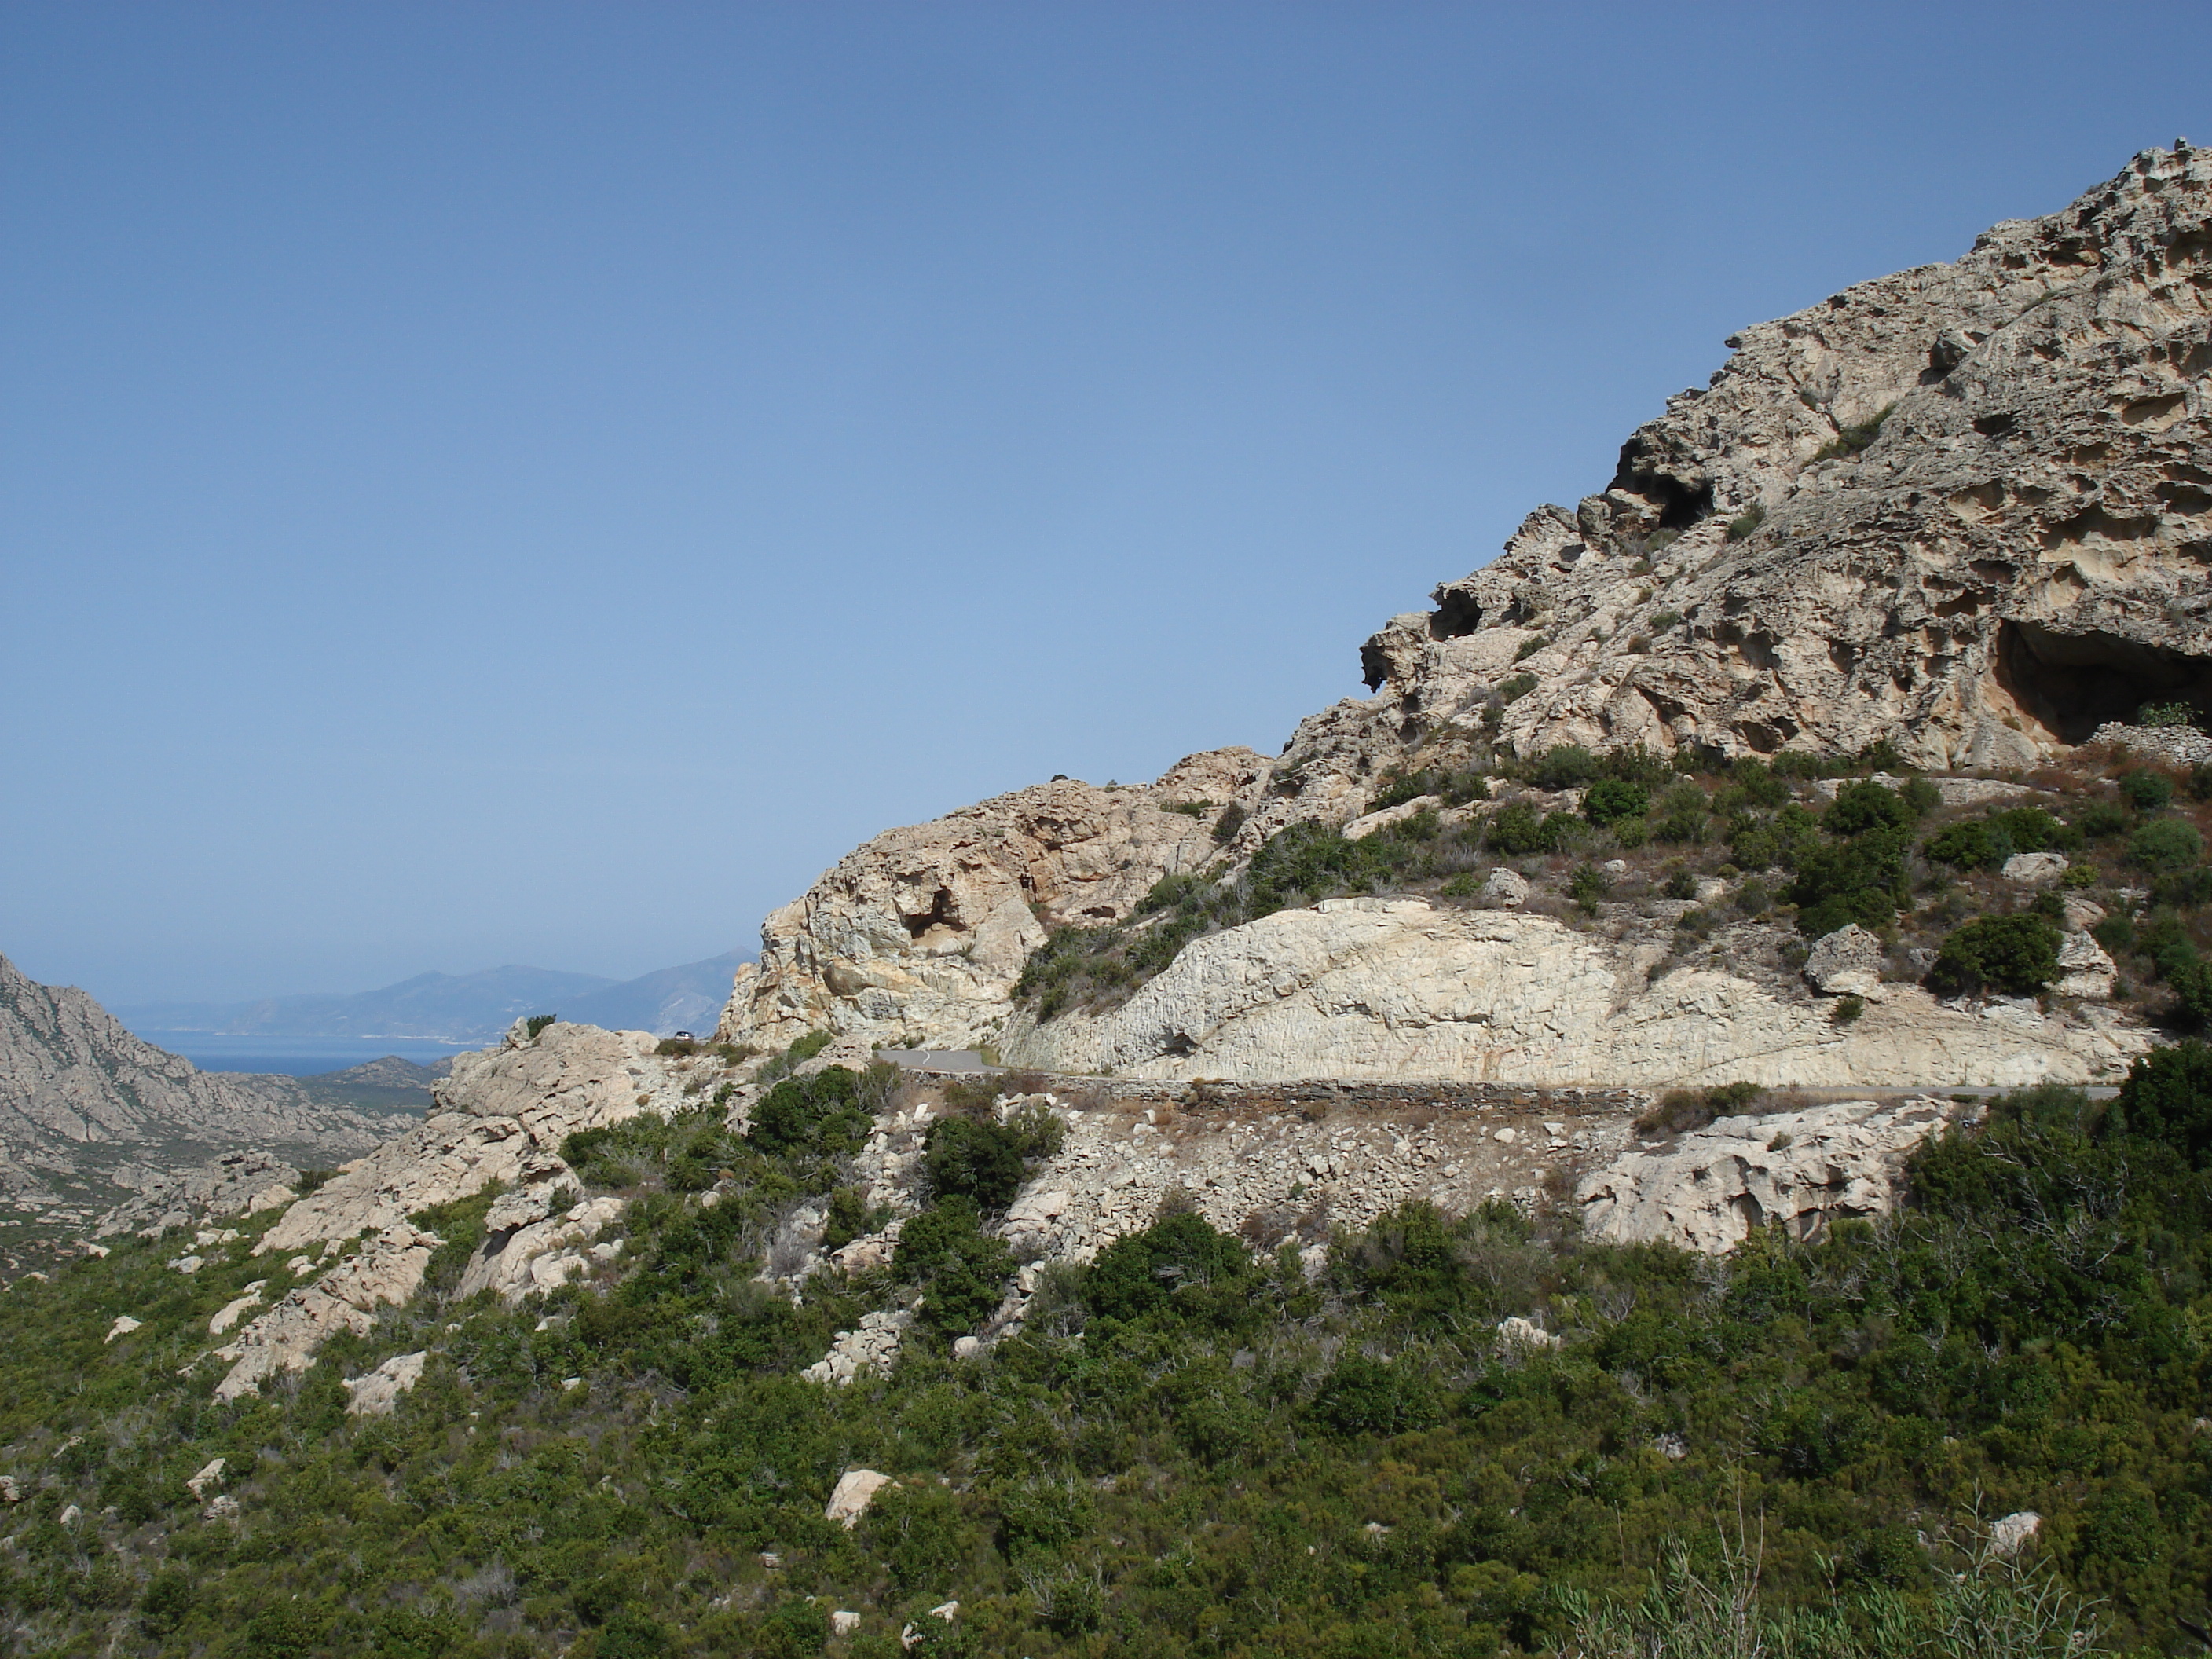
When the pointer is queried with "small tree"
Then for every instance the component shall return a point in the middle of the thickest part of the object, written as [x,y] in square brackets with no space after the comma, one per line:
[2015,954]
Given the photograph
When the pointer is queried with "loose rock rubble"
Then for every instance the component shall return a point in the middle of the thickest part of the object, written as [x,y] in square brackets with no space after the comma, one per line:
[1801,1171]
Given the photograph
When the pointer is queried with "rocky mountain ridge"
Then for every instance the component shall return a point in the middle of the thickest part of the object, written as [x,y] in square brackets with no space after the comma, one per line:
[1964,511]
[89,1113]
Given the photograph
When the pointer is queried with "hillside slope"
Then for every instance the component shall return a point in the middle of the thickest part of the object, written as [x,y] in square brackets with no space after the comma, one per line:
[89,1112]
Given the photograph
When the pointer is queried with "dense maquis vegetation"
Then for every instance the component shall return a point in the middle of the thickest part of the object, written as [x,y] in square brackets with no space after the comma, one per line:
[1192,1449]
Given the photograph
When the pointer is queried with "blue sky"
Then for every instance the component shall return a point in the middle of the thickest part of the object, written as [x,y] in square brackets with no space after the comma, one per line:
[490,484]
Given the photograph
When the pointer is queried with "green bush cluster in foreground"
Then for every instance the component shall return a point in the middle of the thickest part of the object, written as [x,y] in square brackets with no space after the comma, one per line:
[1191,1449]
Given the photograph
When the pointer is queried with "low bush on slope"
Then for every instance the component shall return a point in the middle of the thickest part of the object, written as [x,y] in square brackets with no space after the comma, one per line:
[1192,1450]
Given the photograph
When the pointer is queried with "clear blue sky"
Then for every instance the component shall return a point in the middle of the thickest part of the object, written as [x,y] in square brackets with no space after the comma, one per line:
[535,484]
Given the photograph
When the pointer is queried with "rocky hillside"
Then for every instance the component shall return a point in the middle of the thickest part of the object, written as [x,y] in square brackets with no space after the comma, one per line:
[89,1113]
[1958,518]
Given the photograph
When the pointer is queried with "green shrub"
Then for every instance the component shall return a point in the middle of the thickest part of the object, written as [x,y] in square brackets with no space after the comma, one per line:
[2017,955]
[538,1023]
[1864,805]
[2146,791]
[1742,526]
[810,1115]
[1230,821]
[1589,885]
[985,1161]
[1850,440]
[2168,1098]
[2166,713]
[1861,880]
[1176,1271]
[1610,800]
[963,1271]
[1969,844]
[683,1046]
[1528,647]
[809,1046]
[1760,787]
[2165,844]
[1516,686]
[2100,820]
[1515,831]
[1564,766]
[1362,1396]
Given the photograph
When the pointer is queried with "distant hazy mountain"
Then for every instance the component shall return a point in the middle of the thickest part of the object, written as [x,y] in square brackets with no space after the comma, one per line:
[464,1008]
[686,998]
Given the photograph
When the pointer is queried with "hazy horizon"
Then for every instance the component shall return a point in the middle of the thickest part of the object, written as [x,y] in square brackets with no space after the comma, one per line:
[507,484]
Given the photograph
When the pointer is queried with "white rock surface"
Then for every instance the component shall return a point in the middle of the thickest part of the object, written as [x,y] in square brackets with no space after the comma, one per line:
[2008,1532]
[500,1116]
[1800,1171]
[915,940]
[210,1476]
[2084,968]
[1365,825]
[849,1500]
[1518,1332]
[2035,869]
[1846,962]
[377,1393]
[123,1325]
[230,1312]
[1373,988]
[1504,890]
[387,1269]
[871,1346]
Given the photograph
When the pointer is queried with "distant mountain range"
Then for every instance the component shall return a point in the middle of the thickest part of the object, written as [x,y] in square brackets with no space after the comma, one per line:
[464,1009]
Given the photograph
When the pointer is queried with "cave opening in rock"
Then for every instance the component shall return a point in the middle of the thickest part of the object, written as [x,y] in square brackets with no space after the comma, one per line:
[2072,684]
[1680,504]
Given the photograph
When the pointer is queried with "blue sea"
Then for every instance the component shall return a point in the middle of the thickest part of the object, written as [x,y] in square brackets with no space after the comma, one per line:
[295,1056]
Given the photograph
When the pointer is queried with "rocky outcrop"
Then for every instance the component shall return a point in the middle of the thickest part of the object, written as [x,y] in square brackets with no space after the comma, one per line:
[1374,987]
[377,1394]
[1802,1171]
[387,1270]
[238,1183]
[915,940]
[1966,508]
[500,1116]
[89,1114]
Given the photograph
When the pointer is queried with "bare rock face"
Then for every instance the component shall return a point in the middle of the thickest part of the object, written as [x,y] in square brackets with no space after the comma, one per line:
[1966,508]
[377,1393]
[1799,1170]
[388,1269]
[1384,988]
[89,1114]
[916,938]
[500,1116]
